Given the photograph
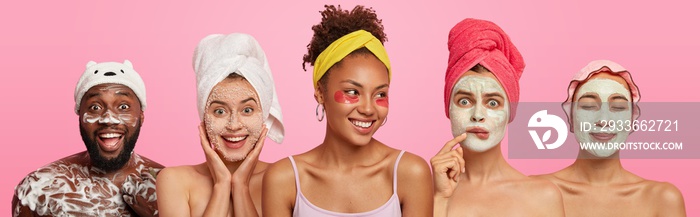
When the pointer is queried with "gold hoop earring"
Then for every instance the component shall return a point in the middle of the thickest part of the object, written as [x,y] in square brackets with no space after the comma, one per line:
[384,122]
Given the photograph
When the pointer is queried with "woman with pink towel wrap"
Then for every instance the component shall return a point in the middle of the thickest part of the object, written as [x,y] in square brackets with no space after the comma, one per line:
[481,95]
[596,184]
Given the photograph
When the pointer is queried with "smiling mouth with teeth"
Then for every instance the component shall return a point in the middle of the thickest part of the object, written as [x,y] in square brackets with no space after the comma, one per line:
[235,139]
[110,141]
[110,135]
[363,124]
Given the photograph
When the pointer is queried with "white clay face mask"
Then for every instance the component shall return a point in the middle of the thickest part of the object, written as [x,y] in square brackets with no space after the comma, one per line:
[484,123]
[233,127]
[586,114]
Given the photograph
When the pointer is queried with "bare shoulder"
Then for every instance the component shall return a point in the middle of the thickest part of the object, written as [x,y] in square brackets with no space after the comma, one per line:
[544,187]
[44,190]
[278,188]
[149,163]
[72,166]
[668,194]
[412,166]
[279,172]
[553,178]
[182,174]
[28,190]
[664,198]
[414,185]
[279,184]
[19,209]
[179,181]
[542,196]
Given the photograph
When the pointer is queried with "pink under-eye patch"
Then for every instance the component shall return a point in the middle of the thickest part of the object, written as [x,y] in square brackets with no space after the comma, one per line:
[341,97]
[383,102]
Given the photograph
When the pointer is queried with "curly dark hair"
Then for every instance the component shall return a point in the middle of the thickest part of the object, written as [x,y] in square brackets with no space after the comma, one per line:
[336,23]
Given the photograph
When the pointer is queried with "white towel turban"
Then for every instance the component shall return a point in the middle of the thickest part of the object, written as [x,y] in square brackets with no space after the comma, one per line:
[219,55]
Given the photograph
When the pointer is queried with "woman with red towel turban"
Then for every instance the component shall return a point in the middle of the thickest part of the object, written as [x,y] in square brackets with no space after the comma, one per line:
[481,95]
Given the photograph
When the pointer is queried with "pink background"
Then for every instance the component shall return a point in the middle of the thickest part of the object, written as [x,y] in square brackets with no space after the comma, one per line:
[45,46]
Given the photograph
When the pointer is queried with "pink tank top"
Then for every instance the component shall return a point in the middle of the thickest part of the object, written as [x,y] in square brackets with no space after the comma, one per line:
[304,208]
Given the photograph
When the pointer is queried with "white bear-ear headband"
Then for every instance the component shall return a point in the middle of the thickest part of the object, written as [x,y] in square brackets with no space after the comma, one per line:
[126,62]
[110,73]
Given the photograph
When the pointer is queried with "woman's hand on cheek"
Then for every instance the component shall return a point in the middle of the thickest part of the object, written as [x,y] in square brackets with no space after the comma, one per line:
[241,177]
[217,168]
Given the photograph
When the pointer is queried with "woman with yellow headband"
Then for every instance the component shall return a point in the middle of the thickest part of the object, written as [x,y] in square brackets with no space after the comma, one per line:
[350,173]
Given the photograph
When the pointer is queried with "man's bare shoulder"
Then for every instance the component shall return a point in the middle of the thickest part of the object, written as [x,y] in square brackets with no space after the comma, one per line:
[73,166]
[68,185]
[148,162]
[40,182]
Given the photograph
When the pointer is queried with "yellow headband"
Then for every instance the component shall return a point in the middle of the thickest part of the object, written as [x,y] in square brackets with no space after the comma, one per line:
[344,46]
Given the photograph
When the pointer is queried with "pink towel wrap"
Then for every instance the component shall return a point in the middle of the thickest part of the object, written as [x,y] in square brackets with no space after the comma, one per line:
[595,67]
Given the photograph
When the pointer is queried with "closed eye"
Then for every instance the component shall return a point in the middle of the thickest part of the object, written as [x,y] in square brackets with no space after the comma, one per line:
[619,108]
[589,107]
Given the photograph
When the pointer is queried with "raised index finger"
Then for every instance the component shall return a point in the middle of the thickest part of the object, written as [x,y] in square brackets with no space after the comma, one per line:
[451,144]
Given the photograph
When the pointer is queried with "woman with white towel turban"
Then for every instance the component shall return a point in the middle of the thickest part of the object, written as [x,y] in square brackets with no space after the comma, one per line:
[238,107]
